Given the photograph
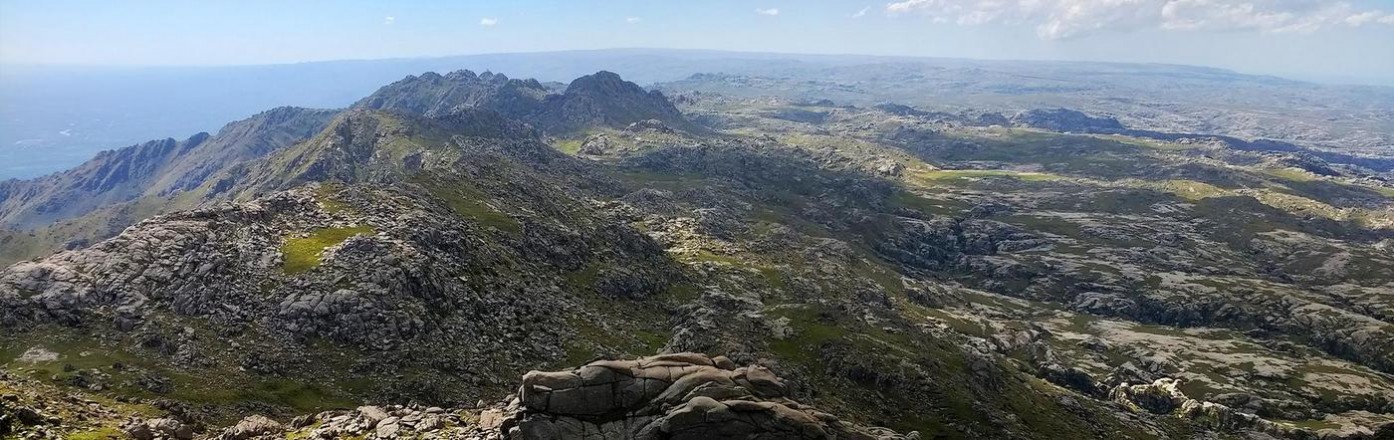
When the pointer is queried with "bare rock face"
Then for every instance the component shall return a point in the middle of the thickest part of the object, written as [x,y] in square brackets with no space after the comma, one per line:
[1164,396]
[675,396]
[252,427]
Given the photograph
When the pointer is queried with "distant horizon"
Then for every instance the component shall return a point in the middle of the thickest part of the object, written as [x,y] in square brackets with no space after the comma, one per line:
[1326,79]
[1343,40]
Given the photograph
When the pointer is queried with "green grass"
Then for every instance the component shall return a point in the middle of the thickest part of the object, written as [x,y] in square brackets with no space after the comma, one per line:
[103,433]
[470,203]
[1193,190]
[569,146]
[1292,174]
[810,332]
[592,340]
[945,207]
[221,387]
[325,193]
[1384,191]
[300,396]
[1315,425]
[961,175]
[704,255]
[302,254]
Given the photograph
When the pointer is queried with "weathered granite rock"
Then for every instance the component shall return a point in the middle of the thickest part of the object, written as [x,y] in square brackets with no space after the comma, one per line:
[252,427]
[679,396]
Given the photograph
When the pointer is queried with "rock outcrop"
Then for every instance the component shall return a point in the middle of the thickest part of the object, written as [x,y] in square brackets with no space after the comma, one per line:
[673,396]
[676,396]
[1065,120]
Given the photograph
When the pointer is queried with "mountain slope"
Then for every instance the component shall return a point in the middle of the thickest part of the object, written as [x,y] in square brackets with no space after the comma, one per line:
[121,187]
[155,168]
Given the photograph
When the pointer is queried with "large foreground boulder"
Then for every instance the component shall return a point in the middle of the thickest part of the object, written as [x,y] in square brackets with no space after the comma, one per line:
[675,396]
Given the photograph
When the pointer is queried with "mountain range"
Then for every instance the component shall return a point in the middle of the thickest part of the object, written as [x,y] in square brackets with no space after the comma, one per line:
[58,117]
[707,260]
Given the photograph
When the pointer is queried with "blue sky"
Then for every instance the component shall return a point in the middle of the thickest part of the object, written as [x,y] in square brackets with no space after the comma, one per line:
[1304,38]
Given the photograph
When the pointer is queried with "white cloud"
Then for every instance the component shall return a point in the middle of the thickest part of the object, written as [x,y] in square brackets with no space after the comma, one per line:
[770,11]
[488,22]
[389,20]
[1366,17]
[632,20]
[861,13]
[1057,19]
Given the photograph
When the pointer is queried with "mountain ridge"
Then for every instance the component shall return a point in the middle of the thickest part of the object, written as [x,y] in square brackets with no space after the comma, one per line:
[156,168]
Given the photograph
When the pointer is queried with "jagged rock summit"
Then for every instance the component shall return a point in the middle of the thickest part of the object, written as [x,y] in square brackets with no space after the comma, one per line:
[605,99]
[432,94]
[602,99]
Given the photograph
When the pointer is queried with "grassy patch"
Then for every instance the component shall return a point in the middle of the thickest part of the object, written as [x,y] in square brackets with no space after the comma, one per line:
[1384,191]
[1315,425]
[811,330]
[569,146]
[948,176]
[945,207]
[284,392]
[218,387]
[103,433]
[1193,190]
[325,194]
[470,203]
[302,254]
[1292,174]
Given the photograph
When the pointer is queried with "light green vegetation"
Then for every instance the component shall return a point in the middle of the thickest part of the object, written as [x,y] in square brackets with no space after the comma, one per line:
[1292,174]
[1193,190]
[475,205]
[325,193]
[931,206]
[646,334]
[1315,425]
[952,176]
[569,146]
[104,433]
[811,330]
[304,253]
[125,367]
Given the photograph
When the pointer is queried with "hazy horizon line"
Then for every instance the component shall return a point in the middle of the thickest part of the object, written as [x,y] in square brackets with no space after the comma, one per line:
[1283,75]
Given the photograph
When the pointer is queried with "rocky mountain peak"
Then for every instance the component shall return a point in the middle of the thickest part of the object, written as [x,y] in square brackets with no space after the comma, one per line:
[605,99]
[462,75]
[433,95]
[604,82]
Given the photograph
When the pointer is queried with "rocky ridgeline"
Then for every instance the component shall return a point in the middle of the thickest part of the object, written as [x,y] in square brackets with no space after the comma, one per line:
[602,99]
[675,396]
[153,169]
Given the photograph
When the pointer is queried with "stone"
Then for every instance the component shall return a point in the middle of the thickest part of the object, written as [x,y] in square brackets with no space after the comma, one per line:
[679,395]
[252,427]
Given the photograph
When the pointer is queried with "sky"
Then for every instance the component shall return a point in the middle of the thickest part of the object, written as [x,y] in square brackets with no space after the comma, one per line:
[1309,39]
